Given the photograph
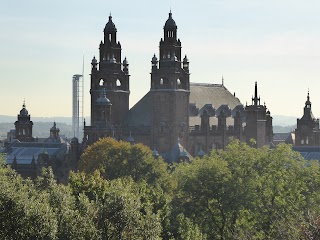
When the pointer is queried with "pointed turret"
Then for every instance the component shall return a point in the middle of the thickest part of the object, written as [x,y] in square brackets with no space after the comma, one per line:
[23,125]
[256,99]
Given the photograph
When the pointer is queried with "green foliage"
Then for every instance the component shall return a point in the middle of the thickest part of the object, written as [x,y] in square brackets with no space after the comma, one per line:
[116,159]
[248,193]
[123,193]
[24,212]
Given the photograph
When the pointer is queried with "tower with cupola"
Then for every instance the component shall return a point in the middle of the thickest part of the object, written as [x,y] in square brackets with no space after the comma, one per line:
[307,132]
[110,75]
[170,90]
[23,126]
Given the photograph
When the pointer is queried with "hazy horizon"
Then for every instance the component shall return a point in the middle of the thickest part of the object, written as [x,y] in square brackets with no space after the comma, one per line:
[275,43]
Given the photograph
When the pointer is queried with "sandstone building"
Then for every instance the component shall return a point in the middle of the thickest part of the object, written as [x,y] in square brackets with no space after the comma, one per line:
[176,118]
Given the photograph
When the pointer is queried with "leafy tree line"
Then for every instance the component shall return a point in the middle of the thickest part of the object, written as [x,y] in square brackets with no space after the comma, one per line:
[122,192]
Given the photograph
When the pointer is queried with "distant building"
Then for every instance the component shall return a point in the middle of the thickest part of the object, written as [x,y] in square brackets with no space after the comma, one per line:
[307,132]
[27,155]
[175,114]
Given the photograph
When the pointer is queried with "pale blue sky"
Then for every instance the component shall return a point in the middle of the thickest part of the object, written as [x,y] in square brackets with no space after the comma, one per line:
[276,43]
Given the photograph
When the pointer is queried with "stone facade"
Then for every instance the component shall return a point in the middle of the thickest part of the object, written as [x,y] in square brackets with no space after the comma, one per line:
[192,118]
[307,132]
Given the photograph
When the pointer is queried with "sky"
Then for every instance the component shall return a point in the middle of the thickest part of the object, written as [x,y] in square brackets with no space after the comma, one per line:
[273,42]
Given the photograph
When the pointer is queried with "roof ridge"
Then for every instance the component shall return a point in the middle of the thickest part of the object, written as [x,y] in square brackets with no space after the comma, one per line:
[207,84]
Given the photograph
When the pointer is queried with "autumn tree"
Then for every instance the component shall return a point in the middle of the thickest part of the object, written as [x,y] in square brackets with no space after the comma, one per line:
[116,159]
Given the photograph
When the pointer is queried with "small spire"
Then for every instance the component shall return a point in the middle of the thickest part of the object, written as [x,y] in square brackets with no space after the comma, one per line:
[255,99]
[222,80]
[170,13]
[24,103]
[110,16]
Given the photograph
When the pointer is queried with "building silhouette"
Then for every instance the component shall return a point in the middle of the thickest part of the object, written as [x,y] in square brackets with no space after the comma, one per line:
[176,118]
[28,155]
[307,132]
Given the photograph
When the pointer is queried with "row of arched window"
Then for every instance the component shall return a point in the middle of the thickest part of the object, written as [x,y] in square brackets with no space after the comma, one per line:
[102,83]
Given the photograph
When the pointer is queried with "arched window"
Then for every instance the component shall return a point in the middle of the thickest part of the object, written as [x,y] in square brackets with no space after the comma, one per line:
[101,83]
[178,82]
[161,81]
[110,37]
[118,83]
[182,127]
[162,126]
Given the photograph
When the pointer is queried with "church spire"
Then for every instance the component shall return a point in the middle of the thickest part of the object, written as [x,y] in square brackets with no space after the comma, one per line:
[256,99]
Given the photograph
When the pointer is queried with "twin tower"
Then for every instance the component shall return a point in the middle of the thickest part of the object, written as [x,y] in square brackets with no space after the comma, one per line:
[162,117]
[110,91]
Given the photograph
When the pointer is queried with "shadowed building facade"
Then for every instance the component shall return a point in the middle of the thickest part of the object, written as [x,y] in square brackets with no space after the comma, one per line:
[307,132]
[28,155]
[176,118]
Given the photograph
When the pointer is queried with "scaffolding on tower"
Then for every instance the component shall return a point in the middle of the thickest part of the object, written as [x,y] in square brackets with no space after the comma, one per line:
[77,104]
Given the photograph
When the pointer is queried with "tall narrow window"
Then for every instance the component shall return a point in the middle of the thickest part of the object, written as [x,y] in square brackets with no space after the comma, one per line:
[161,81]
[101,83]
[118,83]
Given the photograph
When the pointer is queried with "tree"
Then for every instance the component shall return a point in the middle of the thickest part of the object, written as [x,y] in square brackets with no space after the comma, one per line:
[244,192]
[24,212]
[116,159]
[124,207]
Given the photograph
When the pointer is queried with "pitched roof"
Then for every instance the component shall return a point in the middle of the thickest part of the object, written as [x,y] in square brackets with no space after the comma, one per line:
[25,152]
[202,95]
[214,97]
[215,94]
[141,113]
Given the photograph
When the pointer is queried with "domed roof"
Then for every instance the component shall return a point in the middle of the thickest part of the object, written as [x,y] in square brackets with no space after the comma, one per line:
[110,25]
[130,139]
[170,23]
[103,100]
[24,111]
[201,153]
[74,140]
[54,127]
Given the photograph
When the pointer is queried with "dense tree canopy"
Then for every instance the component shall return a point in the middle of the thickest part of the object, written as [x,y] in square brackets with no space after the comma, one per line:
[116,159]
[123,193]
